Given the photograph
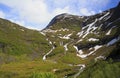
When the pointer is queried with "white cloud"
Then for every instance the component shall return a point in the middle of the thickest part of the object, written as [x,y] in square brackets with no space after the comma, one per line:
[37,12]
[33,11]
[61,10]
[86,12]
[2,15]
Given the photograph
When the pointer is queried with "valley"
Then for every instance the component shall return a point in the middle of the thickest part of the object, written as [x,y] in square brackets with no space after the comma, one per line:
[70,46]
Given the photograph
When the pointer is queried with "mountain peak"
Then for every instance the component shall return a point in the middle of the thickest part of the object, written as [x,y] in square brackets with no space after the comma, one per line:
[64,17]
[115,13]
[118,5]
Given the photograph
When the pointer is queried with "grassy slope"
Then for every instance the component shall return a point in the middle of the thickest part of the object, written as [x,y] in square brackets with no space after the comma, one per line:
[102,69]
[19,41]
[18,46]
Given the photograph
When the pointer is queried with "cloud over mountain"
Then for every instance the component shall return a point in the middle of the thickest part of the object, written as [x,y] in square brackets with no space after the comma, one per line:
[37,13]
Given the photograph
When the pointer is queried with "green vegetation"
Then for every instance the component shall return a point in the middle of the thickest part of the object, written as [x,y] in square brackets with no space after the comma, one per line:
[28,69]
[102,69]
[42,75]
[19,41]
[68,24]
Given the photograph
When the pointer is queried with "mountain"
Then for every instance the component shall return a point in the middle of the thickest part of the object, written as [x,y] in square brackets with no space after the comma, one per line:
[91,36]
[16,40]
[70,46]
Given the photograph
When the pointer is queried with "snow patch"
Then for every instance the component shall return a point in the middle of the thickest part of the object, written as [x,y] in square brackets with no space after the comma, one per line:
[100,26]
[90,28]
[50,42]
[43,33]
[65,29]
[104,15]
[45,56]
[93,39]
[79,40]
[100,57]
[90,48]
[86,55]
[65,46]
[80,33]
[22,29]
[66,36]
[108,33]
[54,31]
[76,48]
[82,66]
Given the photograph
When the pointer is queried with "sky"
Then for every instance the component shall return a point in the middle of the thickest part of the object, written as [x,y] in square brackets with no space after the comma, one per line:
[36,14]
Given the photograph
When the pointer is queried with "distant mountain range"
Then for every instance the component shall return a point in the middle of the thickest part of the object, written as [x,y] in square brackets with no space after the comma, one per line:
[76,41]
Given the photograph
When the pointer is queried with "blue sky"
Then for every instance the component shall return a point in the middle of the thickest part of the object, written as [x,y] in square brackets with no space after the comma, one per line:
[36,14]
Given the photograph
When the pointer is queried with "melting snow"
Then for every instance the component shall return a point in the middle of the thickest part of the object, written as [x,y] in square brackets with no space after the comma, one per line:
[54,31]
[93,39]
[113,41]
[80,33]
[80,52]
[76,48]
[44,57]
[90,48]
[50,42]
[43,33]
[108,33]
[86,55]
[65,29]
[79,40]
[97,47]
[22,29]
[100,57]
[82,66]
[104,15]
[106,18]
[66,36]
[90,29]
[100,26]
[65,46]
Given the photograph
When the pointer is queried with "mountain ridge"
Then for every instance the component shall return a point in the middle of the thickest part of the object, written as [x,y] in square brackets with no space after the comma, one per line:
[89,34]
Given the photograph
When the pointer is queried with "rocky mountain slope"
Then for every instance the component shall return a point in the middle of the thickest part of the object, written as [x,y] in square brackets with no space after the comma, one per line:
[68,47]
[91,36]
